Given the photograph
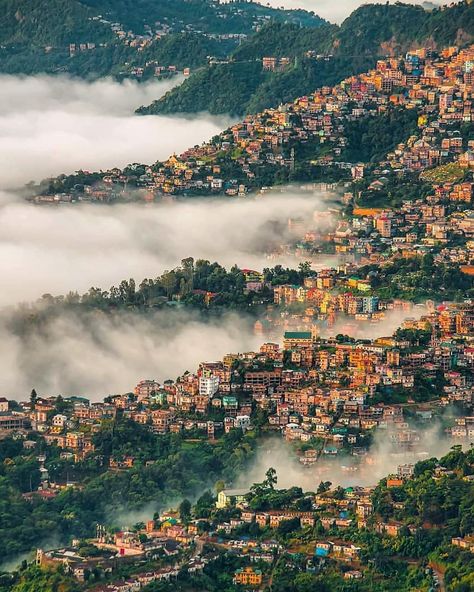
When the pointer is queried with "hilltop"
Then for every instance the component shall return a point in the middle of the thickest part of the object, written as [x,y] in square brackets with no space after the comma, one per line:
[242,84]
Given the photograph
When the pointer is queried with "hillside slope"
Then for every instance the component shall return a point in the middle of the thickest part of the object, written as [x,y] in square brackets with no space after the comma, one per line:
[371,31]
[110,37]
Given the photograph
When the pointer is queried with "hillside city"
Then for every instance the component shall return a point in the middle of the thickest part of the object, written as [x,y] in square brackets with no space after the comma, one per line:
[335,455]
[324,397]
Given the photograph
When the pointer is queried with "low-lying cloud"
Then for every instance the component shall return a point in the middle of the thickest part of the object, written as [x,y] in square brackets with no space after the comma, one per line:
[382,458]
[336,11]
[95,354]
[51,125]
[57,249]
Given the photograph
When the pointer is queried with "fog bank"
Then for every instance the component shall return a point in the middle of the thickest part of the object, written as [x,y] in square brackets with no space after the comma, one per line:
[58,249]
[51,125]
[382,459]
[96,354]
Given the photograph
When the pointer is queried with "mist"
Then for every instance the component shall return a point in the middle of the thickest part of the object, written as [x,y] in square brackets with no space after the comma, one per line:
[337,11]
[94,354]
[385,327]
[58,249]
[57,124]
[381,460]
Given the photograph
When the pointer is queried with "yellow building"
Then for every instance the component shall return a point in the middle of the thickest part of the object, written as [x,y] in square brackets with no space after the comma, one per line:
[248,576]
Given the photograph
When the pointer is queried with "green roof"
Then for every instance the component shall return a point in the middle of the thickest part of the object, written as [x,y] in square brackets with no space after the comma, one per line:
[298,335]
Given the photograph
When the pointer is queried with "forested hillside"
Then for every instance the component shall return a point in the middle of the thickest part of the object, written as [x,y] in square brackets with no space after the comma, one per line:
[370,32]
[36,24]
[205,15]
[113,38]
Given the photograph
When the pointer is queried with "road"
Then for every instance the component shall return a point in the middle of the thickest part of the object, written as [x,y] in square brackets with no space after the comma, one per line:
[440,576]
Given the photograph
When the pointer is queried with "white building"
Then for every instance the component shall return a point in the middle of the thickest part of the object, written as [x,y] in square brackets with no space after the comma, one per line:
[242,422]
[59,420]
[208,385]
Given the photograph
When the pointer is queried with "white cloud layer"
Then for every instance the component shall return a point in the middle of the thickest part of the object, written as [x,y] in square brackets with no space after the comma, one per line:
[58,249]
[50,125]
[336,11]
[53,125]
[94,354]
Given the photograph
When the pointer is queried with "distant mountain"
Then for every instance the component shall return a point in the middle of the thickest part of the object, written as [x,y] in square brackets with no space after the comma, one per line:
[102,37]
[243,86]
[392,29]
[207,16]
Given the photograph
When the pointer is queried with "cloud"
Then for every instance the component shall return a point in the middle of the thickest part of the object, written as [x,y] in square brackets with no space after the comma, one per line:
[383,458]
[337,10]
[94,354]
[50,125]
[385,326]
[58,249]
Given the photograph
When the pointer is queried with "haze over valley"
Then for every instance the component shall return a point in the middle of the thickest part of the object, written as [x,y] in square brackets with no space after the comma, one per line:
[237,296]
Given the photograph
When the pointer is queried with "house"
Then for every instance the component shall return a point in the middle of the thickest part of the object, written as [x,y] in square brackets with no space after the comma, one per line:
[248,576]
[353,575]
[464,543]
[229,497]
[59,420]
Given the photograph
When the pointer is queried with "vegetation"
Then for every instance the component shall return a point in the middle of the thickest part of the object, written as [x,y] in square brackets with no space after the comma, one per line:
[387,28]
[239,16]
[371,138]
[240,87]
[393,192]
[35,37]
[168,467]
[446,173]
[197,284]
[336,52]
[418,279]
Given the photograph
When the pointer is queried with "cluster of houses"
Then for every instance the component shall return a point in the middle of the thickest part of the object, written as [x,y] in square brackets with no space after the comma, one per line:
[177,545]
[190,546]
[438,86]
[311,389]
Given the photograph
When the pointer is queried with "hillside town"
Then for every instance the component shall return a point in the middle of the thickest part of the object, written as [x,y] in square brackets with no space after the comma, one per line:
[331,393]
[326,399]
[379,219]
[438,87]
[361,377]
